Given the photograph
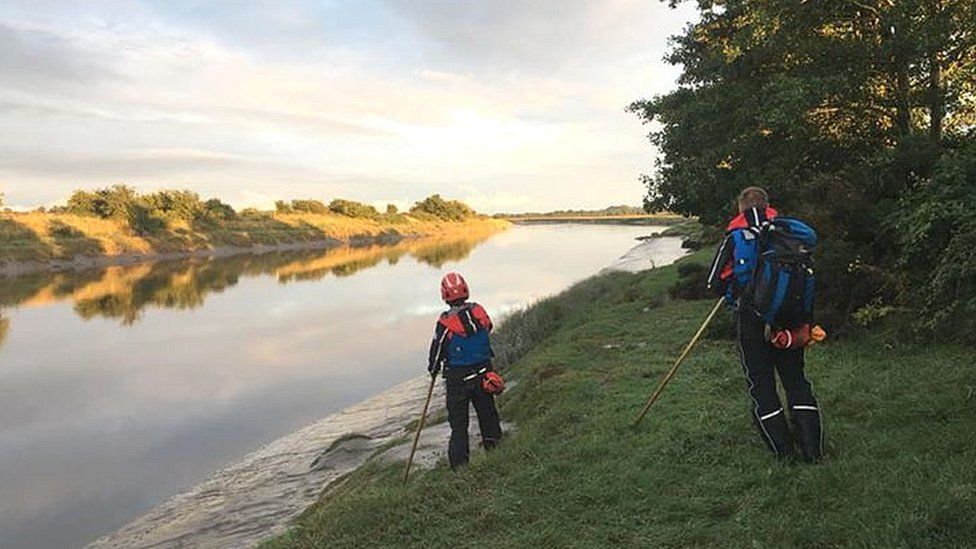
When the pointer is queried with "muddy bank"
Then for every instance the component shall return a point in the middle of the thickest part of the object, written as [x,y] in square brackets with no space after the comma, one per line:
[648,254]
[257,497]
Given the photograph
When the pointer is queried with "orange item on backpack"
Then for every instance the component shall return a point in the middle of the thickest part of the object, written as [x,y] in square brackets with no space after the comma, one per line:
[493,384]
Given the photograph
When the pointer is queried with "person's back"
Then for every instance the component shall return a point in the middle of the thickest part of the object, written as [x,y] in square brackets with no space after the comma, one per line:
[462,348]
[761,351]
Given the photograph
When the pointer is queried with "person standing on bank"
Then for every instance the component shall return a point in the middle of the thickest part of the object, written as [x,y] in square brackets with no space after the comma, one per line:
[462,348]
[767,280]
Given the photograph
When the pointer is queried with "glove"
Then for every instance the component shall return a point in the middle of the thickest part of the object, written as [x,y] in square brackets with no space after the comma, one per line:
[433,370]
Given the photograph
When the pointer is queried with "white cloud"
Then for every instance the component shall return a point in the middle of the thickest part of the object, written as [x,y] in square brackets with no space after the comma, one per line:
[382,102]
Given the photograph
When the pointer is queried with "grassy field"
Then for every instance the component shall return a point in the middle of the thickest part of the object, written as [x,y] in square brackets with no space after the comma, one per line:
[45,236]
[899,419]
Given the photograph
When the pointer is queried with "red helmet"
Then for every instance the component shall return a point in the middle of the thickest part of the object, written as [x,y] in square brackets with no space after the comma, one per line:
[493,384]
[453,287]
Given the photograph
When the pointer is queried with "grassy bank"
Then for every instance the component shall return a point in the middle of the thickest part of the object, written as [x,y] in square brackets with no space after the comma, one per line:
[40,237]
[899,419]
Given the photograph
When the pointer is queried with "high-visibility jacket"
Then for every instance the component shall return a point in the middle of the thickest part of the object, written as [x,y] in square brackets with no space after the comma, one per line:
[461,337]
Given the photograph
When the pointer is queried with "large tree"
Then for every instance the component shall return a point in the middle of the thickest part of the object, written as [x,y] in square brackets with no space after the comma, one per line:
[838,107]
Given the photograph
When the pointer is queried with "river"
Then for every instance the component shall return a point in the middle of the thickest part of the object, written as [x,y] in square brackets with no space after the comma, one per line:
[122,387]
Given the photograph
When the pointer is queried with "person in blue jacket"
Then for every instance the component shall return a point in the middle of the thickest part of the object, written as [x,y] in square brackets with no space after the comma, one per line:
[462,348]
[730,274]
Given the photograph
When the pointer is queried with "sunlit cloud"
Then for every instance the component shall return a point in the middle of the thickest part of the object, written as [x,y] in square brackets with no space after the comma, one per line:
[380,101]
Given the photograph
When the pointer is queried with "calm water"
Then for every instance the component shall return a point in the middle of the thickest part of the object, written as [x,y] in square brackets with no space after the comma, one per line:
[123,386]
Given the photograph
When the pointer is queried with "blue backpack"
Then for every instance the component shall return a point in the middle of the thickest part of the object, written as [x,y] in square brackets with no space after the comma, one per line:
[783,285]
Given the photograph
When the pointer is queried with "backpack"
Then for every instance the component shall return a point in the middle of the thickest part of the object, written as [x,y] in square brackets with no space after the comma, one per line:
[783,285]
[468,328]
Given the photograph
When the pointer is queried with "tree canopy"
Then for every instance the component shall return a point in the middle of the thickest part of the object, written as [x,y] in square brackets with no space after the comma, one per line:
[842,109]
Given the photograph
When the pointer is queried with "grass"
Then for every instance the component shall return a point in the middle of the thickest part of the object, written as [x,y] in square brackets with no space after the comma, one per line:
[44,236]
[899,419]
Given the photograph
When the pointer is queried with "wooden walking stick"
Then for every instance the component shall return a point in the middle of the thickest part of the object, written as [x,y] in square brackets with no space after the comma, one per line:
[420,427]
[677,363]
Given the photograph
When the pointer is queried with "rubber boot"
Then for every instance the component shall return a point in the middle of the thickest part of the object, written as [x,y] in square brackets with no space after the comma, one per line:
[809,433]
[776,434]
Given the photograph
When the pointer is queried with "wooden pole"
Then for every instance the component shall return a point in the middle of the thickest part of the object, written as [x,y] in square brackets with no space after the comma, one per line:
[677,363]
[420,427]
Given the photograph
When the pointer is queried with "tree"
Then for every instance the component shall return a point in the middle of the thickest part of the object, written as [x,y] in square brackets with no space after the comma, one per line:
[838,107]
[216,209]
[309,206]
[352,208]
[283,207]
[437,207]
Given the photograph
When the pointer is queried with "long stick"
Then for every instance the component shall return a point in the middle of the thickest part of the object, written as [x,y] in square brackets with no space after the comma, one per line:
[677,363]
[420,427]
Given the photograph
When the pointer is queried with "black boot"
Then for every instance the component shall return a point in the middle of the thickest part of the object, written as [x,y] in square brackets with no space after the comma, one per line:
[776,434]
[809,432]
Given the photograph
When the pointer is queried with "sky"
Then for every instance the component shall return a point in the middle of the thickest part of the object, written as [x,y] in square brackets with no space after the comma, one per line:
[508,105]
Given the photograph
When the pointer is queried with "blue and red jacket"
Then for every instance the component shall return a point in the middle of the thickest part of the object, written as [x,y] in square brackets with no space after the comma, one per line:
[735,261]
[461,338]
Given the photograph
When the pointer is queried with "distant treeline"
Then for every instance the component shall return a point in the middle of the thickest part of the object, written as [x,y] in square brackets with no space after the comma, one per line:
[605,212]
[147,213]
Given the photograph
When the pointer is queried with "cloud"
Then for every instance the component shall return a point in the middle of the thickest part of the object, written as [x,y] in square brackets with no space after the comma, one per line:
[30,58]
[380,100]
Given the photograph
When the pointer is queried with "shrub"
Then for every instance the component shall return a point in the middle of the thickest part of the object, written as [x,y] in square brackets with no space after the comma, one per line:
[691,282]
[215,209]
[309,206]
[437,207]
[352,208]
[391,209]
[116,202]
[283,207]
[169,204]
[937,228]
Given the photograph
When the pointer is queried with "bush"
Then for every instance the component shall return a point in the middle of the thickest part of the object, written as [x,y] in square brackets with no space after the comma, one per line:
[437,207]
[937,229]
[114,202]
[352,208]
[309,206]
[175,205]
[692,282]
[215,209]
[146,214]
[283,207]
[391,209]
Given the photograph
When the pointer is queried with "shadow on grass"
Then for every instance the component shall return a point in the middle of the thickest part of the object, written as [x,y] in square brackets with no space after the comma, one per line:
[70,242]
[19,242]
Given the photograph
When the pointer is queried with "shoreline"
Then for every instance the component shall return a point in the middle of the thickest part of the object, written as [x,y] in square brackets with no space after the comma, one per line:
[389,236]
[266,490]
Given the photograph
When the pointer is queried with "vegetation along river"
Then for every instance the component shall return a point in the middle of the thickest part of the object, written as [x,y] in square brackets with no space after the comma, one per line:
[125,389]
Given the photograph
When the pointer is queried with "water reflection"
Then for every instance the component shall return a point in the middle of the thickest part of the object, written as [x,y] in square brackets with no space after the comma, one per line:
[124,292]
[101,422]
[4,328]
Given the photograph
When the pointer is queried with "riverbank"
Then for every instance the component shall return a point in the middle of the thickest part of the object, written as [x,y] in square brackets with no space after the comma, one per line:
[898,471]
[31,242]
[642,219]
[263,491]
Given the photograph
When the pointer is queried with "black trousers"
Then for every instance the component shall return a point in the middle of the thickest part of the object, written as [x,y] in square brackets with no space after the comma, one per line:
[759,362]
[460,394]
